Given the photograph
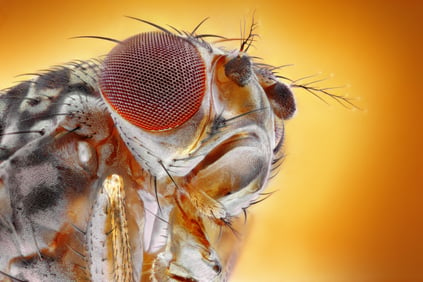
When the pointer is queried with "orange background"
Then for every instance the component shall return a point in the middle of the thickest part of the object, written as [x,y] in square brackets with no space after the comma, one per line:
[349,200]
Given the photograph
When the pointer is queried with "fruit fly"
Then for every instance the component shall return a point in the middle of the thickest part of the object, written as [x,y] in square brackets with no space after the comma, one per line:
[138,166]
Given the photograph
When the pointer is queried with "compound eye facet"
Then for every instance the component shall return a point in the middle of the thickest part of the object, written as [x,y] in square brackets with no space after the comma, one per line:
[154,80]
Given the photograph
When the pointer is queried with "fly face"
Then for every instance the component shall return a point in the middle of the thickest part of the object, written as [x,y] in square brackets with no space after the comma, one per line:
[169,94]
[140,166]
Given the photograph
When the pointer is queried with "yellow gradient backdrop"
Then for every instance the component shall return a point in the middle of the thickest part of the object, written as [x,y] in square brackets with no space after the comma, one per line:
[349,200]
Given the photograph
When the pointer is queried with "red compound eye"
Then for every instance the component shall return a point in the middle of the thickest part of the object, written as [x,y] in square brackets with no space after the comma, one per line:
[154,80]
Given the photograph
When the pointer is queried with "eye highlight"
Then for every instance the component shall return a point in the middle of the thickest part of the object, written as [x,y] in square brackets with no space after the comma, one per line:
[154,80]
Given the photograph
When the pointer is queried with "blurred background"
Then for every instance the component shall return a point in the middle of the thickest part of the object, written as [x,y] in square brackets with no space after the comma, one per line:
[349,200]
